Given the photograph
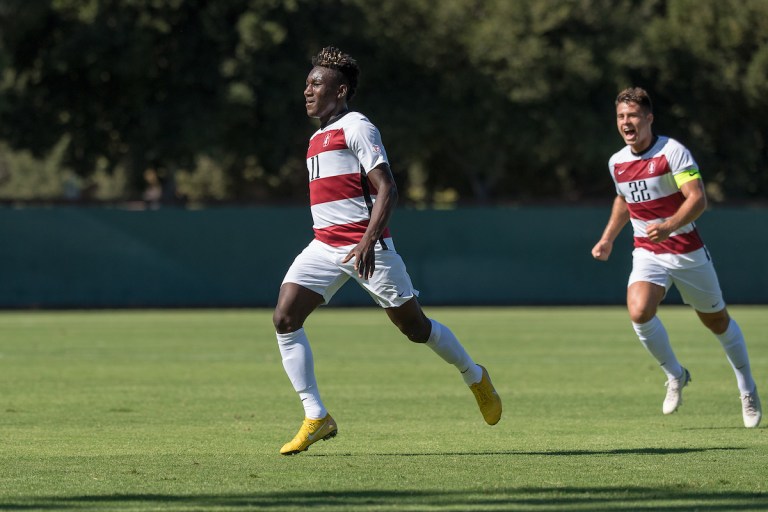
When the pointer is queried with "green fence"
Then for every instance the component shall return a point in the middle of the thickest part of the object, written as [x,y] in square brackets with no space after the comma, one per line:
[236,257]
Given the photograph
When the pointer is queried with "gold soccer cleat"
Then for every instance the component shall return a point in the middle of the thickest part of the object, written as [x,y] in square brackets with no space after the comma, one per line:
[487,398]
[310,432]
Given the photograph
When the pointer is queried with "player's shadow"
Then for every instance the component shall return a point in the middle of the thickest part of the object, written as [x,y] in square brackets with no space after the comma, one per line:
[610,499]
[632,451]
[553,453]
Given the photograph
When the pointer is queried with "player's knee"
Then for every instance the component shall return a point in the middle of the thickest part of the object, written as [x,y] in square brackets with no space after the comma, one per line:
[284,322]
[719,328]
[416,337]
[415,332]
[718,325]
[641,315]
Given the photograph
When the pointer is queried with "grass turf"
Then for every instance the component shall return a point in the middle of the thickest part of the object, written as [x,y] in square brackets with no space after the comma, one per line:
[186,410]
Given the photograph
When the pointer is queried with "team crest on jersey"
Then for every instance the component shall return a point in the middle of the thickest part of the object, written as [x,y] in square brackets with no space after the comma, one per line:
[376,148]
[327,140]
[652,167]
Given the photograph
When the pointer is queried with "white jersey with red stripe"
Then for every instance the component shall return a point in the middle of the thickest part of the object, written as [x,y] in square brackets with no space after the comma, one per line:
[339,157]
[648,183]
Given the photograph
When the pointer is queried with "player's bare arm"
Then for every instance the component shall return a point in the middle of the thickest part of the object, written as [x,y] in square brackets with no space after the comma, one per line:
[693,206]
[386,199]
[616,222]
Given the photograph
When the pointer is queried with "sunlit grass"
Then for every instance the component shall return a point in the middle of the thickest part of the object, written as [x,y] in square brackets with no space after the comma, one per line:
[186,410]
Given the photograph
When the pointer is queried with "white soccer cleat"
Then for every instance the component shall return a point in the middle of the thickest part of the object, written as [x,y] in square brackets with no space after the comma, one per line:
[751,410]
[674,398]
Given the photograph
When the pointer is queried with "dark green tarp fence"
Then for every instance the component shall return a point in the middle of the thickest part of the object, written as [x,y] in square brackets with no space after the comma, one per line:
[64,257]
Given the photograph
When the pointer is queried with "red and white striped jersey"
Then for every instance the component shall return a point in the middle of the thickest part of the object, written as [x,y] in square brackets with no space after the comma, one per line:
[649,182]
[338,160]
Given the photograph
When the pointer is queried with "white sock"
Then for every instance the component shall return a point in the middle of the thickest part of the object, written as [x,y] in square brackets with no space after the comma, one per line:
[654,338]
[445,344]
[732,341]
[300,368]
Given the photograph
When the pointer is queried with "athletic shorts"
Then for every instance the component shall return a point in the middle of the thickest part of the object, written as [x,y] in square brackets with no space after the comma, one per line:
[698,286]
[319,268]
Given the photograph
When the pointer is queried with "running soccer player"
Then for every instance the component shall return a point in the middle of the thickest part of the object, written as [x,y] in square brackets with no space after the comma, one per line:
[352,194]
[660,191]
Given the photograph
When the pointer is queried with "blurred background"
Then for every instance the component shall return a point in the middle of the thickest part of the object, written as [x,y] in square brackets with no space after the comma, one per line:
[188,115]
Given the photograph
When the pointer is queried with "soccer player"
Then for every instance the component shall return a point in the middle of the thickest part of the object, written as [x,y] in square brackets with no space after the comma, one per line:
[660,191]
[352,194]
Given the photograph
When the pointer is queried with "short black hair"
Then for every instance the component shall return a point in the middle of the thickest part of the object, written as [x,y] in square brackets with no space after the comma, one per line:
[636,95]
[333,58]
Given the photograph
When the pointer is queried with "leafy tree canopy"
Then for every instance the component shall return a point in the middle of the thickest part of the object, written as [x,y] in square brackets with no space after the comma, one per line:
[478,101]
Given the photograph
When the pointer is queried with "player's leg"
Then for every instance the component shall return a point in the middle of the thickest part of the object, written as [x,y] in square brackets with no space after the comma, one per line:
[294,304]
[648,285]
[728,332]
[412,322]
[391,287]
[731,338]
[415,325]
[643,299]
[700,288]
[310,281]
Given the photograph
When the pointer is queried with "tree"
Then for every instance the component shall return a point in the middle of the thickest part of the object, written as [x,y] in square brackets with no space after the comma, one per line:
[709,64]
[484,101]
[133,83]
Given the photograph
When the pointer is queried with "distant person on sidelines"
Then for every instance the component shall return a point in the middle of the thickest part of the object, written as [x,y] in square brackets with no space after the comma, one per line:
[352,195]
[660,191]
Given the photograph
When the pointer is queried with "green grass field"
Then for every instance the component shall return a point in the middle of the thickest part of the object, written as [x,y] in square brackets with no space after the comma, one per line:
[186,410]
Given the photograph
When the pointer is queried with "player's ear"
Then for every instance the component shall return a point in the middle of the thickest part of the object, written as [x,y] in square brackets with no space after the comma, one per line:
[650,117]
[342,93]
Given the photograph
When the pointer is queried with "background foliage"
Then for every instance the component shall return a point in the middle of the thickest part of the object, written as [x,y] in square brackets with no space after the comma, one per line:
[477,101]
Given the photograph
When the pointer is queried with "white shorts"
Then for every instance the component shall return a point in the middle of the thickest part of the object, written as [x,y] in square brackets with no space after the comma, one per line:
[318,267]
[698,286]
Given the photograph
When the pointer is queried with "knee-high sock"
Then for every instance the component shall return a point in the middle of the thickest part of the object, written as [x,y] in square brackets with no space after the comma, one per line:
[732,341]
[300,368]
[445,344]
[654,337]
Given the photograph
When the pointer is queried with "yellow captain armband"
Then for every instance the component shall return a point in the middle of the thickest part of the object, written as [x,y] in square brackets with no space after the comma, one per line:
[686,176]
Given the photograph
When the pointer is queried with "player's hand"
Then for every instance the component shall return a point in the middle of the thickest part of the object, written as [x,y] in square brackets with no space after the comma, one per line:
[602,250]
[365,259]
[657,232]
